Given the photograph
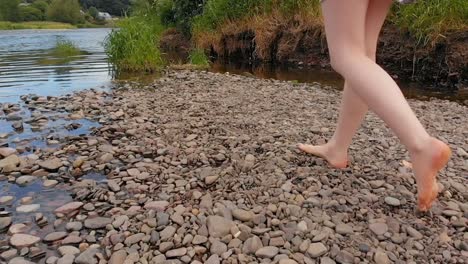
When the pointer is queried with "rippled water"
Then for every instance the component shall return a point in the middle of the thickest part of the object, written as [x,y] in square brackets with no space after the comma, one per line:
[26,65]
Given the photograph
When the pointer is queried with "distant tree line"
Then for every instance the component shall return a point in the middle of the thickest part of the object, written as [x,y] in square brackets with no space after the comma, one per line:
[67,11]
[113,7]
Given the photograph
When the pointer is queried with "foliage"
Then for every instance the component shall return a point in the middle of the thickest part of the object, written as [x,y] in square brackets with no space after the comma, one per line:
[429,20]
[67,11]
[34,25]
[64,49]
[41,5]
[113,7]
[93,12]
[134,47]
[199,58]
[9,10]
[30,13]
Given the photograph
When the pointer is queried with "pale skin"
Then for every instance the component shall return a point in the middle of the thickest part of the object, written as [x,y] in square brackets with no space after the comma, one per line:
[352,28]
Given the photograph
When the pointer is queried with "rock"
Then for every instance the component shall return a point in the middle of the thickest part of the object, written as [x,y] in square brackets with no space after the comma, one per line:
[344,229]
[68,208]
[133,239]
[87,257]
[97,223]
[54,236]
[18,125]
[9,254]
[17,228]
[25,180]
[381,258]
[11,161]
[242,215]
[218,247]
[218,226]
[157,205]
[251,245]
[211,179]
[316,250]
[378,228]
[113,186]
[29,208]
[13,117]
[118,257]
[392,201]
[287,261]
[167,233]
[51,164]
[327,260]
[197,240]
[345,257]
[20,260]
[67,259]
[5,152]
[413,232]
[23,240]
[6,199]
[179,252]
[5,222]
[267,252]
[49,183]
[105,158]
[213,259]
[68,250]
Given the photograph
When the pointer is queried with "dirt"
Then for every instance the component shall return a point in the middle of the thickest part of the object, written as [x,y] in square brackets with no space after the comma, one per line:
[296,41]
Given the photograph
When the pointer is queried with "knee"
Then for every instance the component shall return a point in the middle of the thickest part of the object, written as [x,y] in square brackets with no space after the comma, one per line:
[371,53]
[345,60]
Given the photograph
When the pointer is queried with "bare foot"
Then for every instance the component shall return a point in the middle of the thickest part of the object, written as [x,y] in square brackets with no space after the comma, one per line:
[426,165]
[337,159]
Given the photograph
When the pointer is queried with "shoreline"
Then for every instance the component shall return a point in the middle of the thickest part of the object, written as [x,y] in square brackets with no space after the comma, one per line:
[201,167]
[6,25]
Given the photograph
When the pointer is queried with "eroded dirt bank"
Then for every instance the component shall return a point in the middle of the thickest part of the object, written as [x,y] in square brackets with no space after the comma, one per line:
[295,40]
[202,168]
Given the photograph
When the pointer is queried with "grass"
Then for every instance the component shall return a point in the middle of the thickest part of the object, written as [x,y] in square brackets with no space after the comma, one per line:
[64,49]
[429,20]
[134,47]
[5,25]
[198,57]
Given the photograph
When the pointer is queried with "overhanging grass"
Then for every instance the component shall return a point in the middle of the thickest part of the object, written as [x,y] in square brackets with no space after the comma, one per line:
[134,47]
[430,20]
[5,25]
[198,57]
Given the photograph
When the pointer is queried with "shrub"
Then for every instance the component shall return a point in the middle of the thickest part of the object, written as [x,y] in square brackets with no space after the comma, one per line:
[67,11]
[9,10]
[65,48]
[134,46]
[29,13]
[199,58]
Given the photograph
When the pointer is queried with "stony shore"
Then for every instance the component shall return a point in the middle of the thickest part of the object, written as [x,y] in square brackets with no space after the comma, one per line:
[203,168]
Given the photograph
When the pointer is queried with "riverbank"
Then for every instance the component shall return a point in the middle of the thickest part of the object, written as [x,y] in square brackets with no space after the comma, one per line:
[202,167]
[5,25]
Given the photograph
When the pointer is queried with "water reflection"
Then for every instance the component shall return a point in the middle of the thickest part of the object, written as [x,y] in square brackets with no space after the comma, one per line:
[27,66]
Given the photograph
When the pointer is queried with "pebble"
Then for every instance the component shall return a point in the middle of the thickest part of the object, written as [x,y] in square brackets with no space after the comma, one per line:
[97,223]
[316,250]
[392,201]
[118,257]
[29,208]
[267,252]
[378,228]
[23,240]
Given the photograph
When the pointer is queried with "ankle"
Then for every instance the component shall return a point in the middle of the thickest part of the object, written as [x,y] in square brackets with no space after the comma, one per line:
[337,147]
[420,145]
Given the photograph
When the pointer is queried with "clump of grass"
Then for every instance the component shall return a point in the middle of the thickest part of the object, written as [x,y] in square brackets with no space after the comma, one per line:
[134,46]
[198,57]
[429,20]
[65,48]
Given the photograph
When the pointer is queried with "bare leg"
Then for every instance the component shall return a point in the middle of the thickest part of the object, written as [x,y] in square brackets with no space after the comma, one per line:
[353,108]
[345,28]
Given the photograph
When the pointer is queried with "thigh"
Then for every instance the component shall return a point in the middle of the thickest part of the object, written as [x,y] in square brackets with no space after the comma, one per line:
[377,11]
[345,25]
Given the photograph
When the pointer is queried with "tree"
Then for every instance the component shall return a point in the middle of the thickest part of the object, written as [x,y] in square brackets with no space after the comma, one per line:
[67,11]
[113,7]
[29,13]
[9,10]
[41,5]
[93,12]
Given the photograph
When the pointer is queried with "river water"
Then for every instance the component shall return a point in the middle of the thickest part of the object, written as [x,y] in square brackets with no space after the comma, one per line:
[27,65]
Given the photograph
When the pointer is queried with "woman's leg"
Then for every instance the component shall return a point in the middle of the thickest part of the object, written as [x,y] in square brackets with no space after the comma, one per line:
[345,28]
[353,109]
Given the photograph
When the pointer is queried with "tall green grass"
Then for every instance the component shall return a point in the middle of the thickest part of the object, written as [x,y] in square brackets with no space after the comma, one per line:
[429,20]
[134,47]
[64,49]
[198,57]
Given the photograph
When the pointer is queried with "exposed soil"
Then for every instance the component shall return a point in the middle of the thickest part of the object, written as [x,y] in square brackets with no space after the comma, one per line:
[294,40]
